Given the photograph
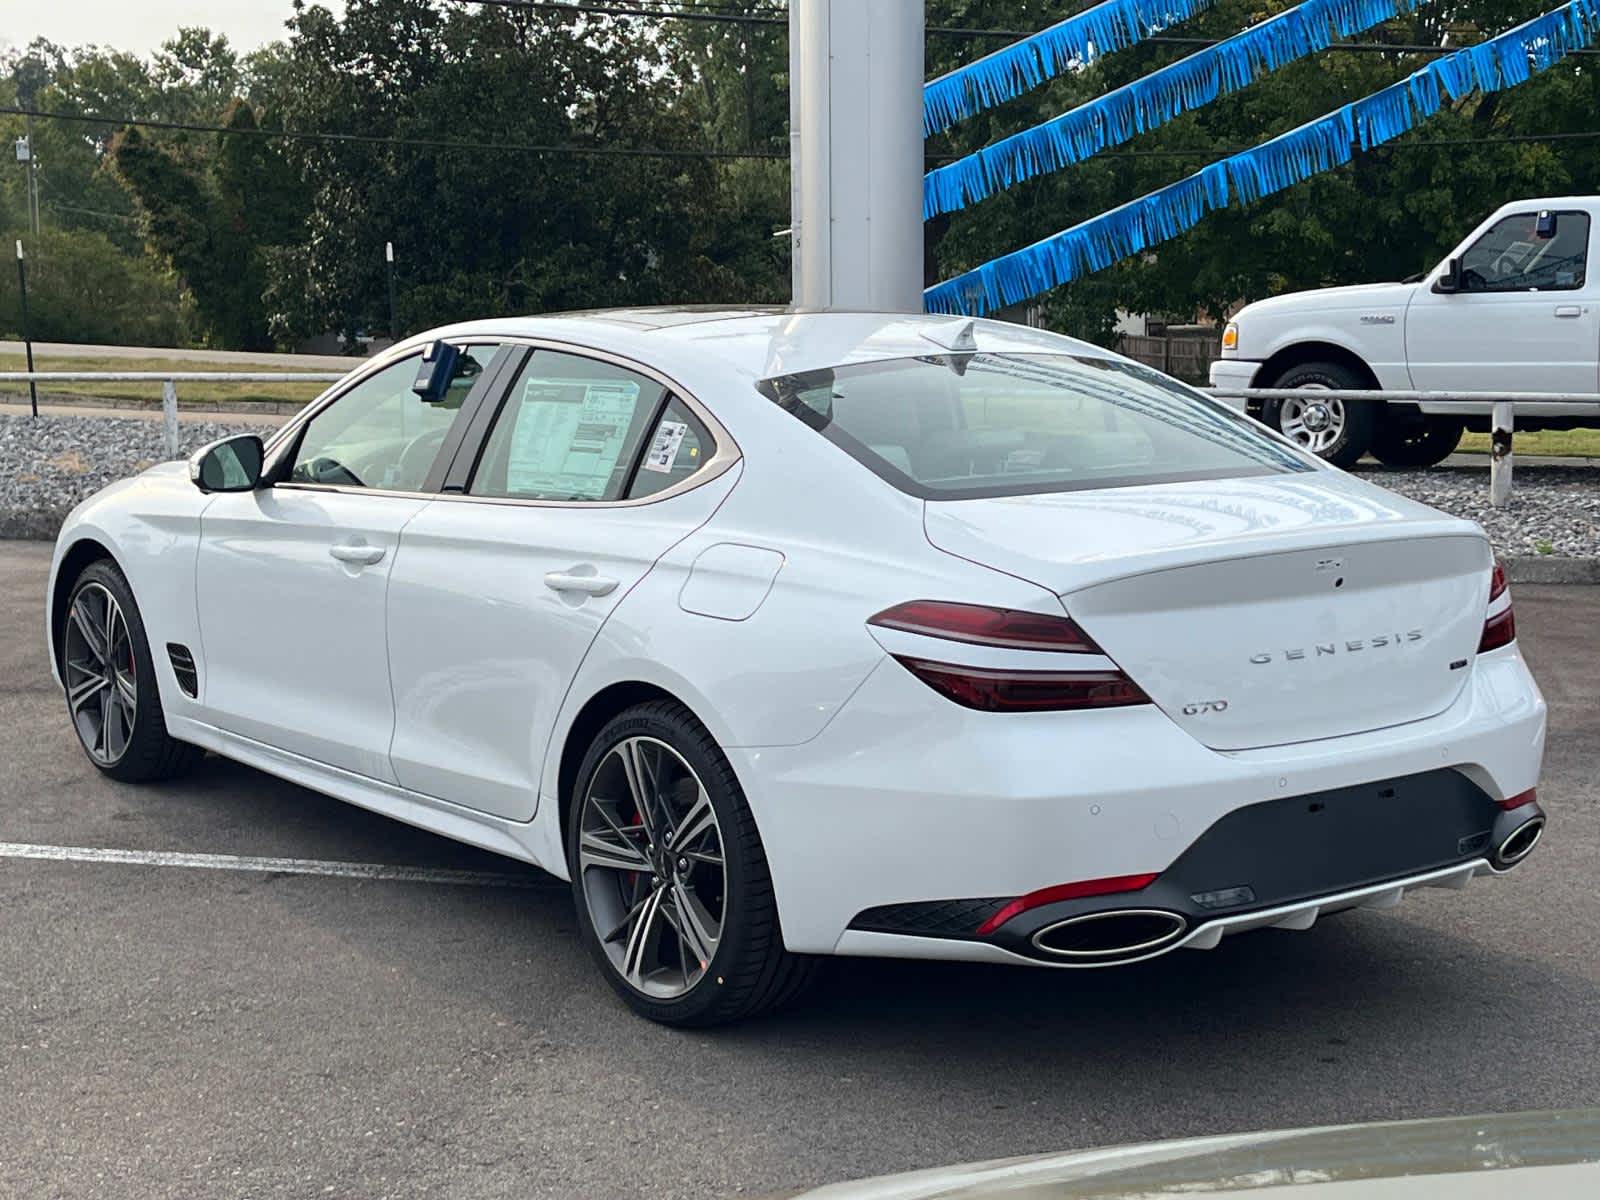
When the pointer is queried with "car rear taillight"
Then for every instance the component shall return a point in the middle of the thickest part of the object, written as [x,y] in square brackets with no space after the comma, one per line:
[981,625]
[1005,688]
[1500,629]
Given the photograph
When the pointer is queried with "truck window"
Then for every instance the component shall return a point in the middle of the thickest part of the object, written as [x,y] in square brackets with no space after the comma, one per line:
[1511,257]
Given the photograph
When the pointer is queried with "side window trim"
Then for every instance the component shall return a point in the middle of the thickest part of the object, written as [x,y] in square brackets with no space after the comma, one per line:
[477,411]
[468,457]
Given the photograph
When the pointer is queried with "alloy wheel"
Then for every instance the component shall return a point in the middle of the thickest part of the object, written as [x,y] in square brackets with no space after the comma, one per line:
[1314,424]
[654,873]
[100,674]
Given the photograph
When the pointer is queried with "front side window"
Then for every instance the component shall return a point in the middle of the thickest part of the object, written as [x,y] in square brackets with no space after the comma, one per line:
[578,429]
[380,434]
[961,426]
[1512,257]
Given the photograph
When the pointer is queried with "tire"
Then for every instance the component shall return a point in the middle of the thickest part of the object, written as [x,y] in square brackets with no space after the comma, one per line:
[133,751]
[1425,444]
[748,969]
[1352,425]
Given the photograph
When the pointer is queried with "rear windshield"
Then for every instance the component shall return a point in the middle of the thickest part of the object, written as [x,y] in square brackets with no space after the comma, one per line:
[962,426]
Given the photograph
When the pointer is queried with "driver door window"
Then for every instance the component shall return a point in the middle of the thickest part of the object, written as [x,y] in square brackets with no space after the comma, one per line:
[380,434]
[1511,257]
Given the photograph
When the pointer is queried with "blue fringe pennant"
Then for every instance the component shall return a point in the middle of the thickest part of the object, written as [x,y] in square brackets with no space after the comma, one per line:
[1024,65]
[1152,101]
[1319,145]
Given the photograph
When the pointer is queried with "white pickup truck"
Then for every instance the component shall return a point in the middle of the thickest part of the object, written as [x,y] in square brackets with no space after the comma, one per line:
[1514,308]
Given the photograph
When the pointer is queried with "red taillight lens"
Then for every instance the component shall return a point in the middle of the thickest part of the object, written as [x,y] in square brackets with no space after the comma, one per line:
[980,625]
[999,690]
[1499,630]
[1065,891]
[1497,583]
[1521,798]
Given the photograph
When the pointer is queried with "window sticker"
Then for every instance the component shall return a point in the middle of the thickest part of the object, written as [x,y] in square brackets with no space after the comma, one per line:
[664,449]
[569,435]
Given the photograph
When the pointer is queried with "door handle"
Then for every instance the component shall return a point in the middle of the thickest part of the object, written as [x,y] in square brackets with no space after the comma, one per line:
[588,585]
[358,556]
[1568,310]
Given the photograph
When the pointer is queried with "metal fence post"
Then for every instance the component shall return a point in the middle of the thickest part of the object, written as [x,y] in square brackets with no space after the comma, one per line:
[1500,463]
[169,416]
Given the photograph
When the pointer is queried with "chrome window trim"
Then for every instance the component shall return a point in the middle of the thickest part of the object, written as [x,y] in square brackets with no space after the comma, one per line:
[727,453]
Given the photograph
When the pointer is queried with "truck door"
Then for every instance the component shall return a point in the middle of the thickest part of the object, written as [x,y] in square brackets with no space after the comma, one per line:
[1526,317]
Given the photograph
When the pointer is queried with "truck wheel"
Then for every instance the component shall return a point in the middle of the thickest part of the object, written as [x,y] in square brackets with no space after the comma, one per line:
[1417,444]
[1336,430]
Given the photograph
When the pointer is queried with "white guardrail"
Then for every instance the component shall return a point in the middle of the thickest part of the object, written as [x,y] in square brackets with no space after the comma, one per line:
[1502,421]
[169,381]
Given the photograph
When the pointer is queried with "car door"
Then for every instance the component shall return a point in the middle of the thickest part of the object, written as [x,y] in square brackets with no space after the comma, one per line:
[586,473]
[1527,317]
[292,576]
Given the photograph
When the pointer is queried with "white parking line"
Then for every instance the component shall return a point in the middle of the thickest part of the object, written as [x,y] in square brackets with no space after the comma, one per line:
[276,866]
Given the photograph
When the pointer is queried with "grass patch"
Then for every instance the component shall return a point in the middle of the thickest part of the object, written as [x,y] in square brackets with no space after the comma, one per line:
[210,393]
[1578,443]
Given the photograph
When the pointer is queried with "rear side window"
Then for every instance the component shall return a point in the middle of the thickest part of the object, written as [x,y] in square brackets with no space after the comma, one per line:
[578,429]
[968,425]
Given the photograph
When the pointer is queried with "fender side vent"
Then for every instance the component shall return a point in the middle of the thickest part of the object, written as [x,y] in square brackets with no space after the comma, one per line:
[183,668]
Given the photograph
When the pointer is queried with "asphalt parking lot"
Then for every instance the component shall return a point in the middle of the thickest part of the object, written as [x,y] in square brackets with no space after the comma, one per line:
[170,1031]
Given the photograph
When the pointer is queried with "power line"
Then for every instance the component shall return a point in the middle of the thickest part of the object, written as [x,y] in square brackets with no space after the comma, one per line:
[770,17]
[651,152]
[369,139]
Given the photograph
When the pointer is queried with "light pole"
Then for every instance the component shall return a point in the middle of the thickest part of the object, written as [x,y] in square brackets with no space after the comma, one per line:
[856,151]
[27,338]
[394,320]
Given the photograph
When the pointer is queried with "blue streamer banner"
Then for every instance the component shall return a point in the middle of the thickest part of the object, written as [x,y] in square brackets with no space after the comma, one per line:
[1022,66]
[1319,145]
[1152,101]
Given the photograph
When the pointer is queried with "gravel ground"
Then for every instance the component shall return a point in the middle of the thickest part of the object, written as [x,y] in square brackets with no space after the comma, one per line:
[48,465]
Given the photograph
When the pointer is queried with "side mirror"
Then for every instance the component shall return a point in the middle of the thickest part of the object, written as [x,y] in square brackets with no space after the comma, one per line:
[1450,280]
[232,464]
[436,372]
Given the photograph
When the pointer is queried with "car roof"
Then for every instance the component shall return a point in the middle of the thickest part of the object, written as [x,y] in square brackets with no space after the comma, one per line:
[763,342]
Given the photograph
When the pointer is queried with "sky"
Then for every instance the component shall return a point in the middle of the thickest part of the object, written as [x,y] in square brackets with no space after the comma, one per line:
[141,25]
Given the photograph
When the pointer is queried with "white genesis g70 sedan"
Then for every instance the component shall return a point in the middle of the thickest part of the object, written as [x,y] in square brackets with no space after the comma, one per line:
[786,635]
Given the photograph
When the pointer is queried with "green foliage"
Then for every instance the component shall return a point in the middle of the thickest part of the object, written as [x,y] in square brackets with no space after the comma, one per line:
[271,241]
[83,288]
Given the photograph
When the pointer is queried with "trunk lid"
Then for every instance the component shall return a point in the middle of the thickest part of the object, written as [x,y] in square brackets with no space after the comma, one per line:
[1254,612]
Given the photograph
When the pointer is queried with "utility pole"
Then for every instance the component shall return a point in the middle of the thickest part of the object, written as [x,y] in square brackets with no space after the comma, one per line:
[855,109]
[30,163]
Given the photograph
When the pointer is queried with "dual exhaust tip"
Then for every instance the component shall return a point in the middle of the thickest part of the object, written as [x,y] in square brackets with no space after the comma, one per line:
[1125,933]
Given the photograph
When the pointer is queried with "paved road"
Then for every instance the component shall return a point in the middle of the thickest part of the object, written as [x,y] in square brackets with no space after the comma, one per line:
[170,1032]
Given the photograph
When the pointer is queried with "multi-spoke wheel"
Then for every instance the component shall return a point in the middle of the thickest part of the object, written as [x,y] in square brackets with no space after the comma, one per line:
[110,681]
[1330,428]
[654,875]
[100,674]
[669,877]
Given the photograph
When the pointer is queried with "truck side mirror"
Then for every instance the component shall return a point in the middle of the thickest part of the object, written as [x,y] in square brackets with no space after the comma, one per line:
[1449,280]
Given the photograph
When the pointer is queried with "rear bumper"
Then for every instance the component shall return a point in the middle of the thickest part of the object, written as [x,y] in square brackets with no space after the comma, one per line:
[1280,863]
[905,798]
